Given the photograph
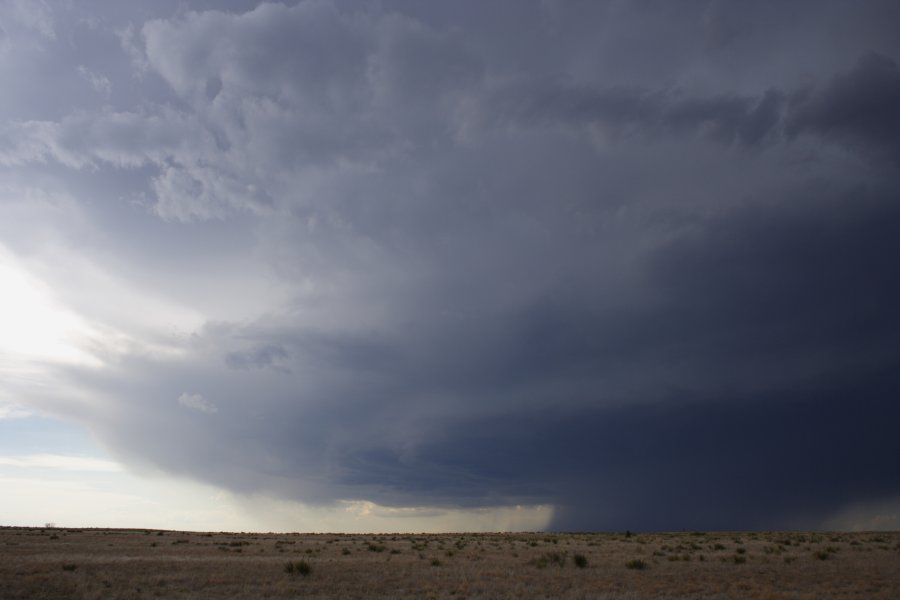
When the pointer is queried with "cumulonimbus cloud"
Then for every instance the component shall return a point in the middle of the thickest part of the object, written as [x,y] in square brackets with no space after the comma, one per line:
[488,285]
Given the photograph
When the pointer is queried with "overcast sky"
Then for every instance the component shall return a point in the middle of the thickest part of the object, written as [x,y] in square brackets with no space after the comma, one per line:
[395,265]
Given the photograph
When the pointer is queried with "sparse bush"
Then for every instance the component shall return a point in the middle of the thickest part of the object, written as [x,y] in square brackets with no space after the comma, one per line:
[549,558]
[69,567]
[637,564]
[300,567]
[822,555]
[739,559]
[345,551]
[376,547]
[435,562]
[580,561]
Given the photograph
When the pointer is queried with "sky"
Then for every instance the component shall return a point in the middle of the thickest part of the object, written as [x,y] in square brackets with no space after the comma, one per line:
[336,265]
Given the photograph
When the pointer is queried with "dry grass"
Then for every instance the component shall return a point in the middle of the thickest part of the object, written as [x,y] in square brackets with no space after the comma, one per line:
[98,563]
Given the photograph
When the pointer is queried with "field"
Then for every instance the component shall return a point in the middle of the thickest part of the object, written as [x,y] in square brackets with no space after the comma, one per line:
[114,563]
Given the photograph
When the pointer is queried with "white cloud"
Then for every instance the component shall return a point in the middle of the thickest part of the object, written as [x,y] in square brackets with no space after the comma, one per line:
[11,411]
[101,84]
[36,327]
[61,462]
[197,402]
[35,15]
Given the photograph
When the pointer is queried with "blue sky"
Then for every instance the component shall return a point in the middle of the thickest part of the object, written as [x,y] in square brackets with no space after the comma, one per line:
[350,266]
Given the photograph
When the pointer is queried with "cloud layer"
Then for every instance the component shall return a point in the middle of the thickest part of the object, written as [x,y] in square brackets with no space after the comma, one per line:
[615,260]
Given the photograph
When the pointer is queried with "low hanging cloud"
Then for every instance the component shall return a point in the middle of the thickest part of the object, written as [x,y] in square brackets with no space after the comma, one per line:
[462,273]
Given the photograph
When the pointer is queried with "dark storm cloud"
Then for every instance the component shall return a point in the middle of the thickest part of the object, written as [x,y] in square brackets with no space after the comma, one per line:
[751,387]
[782,460]
[768,353]
[649,112]
[860,108]
[438,260]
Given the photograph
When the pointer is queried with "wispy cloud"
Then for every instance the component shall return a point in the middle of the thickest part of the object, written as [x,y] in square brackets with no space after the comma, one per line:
[197,402]
[61,462]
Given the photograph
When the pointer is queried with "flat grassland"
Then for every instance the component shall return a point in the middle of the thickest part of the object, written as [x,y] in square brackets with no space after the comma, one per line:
[40,563]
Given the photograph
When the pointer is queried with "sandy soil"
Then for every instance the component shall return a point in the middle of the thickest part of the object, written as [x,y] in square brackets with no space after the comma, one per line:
[101,563]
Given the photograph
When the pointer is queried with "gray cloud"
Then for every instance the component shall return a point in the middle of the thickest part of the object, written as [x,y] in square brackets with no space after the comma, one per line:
[197,402]
[652,113]
[429,260]
[858,108]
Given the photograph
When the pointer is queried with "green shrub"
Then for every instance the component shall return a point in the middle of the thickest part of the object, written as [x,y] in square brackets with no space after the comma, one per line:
[580,561]
[637,564]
